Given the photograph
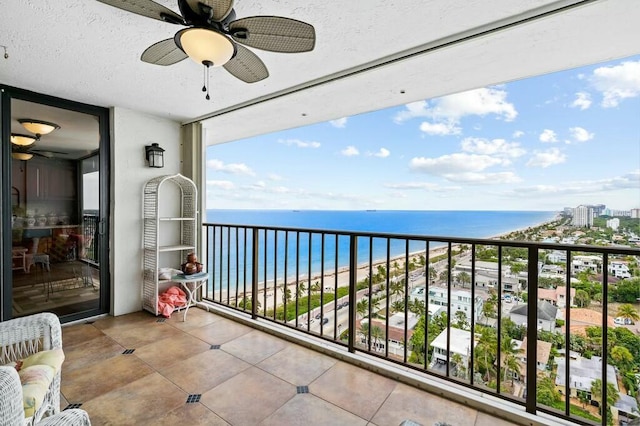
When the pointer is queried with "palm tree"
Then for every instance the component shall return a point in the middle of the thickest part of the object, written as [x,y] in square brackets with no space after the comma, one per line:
[397,306]
[464,278]
[362,307]
[485,352]
[382,271]
[612,396]
[433,274]
[461,320]
[286,294]
[509,352]
[396,288]
[627,311]
[376,334]
[301,289]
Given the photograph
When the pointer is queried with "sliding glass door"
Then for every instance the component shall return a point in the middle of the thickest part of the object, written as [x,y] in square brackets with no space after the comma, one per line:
[57,204]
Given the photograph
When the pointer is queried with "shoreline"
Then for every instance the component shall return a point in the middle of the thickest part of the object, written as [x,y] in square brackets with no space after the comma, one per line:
[334,280]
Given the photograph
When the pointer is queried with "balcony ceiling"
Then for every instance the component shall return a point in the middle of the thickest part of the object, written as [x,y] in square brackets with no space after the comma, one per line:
[369,55]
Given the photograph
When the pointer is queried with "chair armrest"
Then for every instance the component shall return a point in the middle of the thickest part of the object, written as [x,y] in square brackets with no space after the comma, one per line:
[71,417]
[10,398]
[25,336]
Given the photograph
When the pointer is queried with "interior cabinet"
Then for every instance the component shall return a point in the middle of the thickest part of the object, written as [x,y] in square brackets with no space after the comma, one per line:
[169,231]
[49,179]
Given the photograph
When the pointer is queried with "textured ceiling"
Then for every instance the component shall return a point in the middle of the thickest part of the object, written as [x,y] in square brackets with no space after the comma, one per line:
[86,51]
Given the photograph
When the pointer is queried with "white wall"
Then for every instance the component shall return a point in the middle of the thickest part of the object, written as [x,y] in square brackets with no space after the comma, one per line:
[130,132]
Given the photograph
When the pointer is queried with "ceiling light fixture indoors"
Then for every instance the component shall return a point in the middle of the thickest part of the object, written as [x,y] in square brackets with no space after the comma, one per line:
[22,140]
[206,47]
[38,127]
[22,156]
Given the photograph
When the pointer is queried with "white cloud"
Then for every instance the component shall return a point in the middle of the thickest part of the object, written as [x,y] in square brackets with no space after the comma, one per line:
[350,151]
[299,143]
[413,110]
[474,178]
[340,122]
[440,129]
[630,180]
[518,134]
[479,102]
[454,163]
[423,186]
[382,153]
[582,101]
[617,82]
[498,147]
[578,134]
[231,168]
[548,136]
[221,184]
[546,158]
[273,176]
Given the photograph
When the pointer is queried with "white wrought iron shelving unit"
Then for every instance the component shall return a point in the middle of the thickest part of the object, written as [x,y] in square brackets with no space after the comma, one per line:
[166,239]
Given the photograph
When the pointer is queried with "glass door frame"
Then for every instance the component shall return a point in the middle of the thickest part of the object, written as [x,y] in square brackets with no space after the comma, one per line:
[8,93]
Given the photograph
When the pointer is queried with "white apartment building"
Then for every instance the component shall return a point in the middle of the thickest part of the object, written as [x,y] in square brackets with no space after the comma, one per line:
[635,213]
[582,216]
[459,343]
[619,269]
[613,223]
[460,301]
[582,263]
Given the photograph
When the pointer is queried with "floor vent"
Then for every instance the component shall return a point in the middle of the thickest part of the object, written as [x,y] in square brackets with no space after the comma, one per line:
[128,351]
[302,389]
[215,347]
[193,398]
[71,406]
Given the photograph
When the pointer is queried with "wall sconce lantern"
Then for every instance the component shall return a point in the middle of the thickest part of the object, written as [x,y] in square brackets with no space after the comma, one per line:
[155,155]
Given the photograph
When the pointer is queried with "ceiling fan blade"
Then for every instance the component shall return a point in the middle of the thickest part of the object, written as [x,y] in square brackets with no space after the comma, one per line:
[47,152]
[274,33]
[147,8]
[219,8]
[165,52]
[246,66]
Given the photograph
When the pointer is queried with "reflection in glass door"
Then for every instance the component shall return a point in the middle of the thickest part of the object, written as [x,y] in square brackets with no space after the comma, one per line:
[55,213]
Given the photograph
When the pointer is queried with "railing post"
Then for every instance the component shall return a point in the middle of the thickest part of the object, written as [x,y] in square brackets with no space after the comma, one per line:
[532,329]
[254,274]
[353,290]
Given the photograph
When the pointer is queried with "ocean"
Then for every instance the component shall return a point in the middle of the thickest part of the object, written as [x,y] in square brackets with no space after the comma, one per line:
[465,224]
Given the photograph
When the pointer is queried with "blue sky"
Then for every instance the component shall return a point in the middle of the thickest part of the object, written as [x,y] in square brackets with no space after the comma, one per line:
[544,143]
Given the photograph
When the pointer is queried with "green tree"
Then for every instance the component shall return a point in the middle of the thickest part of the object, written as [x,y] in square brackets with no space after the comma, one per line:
[612,397]
[396,289]
[582,299]
[485,352]
[460,320]
[509,352]
[627,311]
[286,294]
[362,307]
[433,274]
[546,392]
[245,303]
[621,357]
[397,306]
[464,278]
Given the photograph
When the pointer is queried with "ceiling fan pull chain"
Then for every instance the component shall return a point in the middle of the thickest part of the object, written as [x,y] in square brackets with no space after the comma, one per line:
[207,72]
[204,79]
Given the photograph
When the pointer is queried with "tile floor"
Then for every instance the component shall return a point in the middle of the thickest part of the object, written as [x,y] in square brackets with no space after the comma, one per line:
[210,370]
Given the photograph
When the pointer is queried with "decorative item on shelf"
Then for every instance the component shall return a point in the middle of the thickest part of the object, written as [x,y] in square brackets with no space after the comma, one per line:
[30,221]
[41,220]
[154,155]
[191,266]
[64,218]
[52,219]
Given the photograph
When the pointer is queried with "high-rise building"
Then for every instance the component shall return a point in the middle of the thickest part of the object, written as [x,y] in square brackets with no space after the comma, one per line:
[582,216]
[635,213]
[613,223]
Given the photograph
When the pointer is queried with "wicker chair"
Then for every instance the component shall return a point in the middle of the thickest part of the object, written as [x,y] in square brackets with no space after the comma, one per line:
[20,338]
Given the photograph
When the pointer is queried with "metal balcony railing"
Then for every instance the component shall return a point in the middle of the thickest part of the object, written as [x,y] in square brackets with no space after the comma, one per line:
[454,308]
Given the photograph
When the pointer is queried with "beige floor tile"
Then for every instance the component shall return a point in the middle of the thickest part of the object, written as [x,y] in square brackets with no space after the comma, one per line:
[138,403]
[135,319]
[249,397]
[204,371]
[79,334]
[190,415]
[195,318]
[255,346]
[174,350]
[297,365]
[101,377]
[220,332]
[352,388]
[89,352]
[406,402]
[132,337]
[309,410]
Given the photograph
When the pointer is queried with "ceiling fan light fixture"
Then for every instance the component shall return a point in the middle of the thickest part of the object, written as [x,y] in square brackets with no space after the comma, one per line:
[22,156]
[22,140]
[205,46]
[38,127]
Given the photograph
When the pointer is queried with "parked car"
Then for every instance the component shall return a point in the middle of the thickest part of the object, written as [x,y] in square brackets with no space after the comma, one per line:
[623,321]
[325,321]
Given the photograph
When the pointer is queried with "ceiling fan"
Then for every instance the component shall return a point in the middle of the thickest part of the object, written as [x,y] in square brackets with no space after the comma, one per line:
[22,146]
[214,37]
